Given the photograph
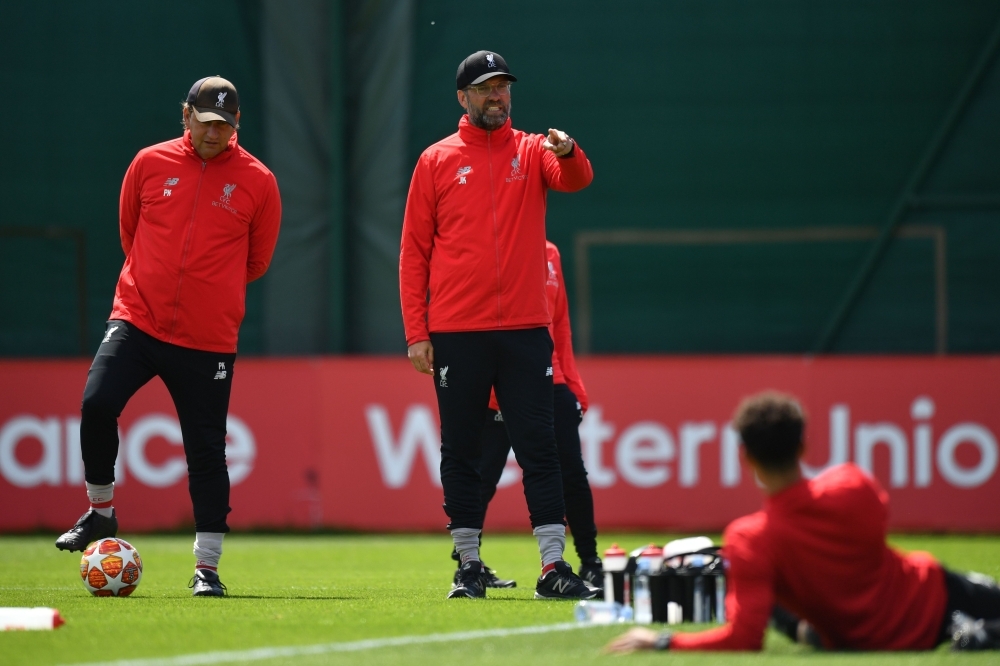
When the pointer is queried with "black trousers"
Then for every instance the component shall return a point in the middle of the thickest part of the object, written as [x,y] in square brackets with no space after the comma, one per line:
[518,364]
[577,496]
[976,599]
[199,383]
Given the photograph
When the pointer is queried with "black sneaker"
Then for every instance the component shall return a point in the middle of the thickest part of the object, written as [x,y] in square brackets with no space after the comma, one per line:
[970,634]
[206,583]
[490,578]
[471,582]
[91,527]
[562,583]
[592,572]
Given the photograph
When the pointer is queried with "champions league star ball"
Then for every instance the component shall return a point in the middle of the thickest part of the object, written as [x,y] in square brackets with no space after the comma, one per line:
[111,568]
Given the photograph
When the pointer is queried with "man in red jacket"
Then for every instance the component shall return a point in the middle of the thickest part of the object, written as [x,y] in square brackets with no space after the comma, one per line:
[818,550]
[472,272]
[199,219]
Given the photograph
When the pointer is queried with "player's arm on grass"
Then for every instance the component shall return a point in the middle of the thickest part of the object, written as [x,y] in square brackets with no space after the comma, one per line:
[749,598]
[130,203]
[419,221]
[264,231]
[563,334]
[564,165]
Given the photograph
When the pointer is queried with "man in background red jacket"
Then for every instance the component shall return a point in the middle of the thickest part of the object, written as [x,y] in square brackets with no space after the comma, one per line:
[472,273]
[569,402]
[818,550]
[199,219]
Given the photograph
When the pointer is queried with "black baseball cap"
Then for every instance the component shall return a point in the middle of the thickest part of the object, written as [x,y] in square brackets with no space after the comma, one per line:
[214,98]
[480,66]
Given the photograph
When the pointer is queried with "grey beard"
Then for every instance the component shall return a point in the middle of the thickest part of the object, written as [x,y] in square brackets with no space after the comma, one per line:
[482,121]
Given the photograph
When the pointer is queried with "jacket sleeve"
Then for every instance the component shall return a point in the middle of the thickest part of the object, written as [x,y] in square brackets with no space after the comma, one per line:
[749,599]
[566,174]
[130,203]
[563,335]
[264,230]
[416,245]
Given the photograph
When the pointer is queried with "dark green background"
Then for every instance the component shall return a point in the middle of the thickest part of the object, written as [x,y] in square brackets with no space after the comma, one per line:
[697,114]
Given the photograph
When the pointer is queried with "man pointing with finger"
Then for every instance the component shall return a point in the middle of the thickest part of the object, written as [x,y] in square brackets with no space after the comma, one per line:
[472,272]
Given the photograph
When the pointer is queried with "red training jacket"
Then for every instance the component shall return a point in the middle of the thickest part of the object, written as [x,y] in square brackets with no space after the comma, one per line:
[194,232]
[474,231]
[818,549]
[563,361]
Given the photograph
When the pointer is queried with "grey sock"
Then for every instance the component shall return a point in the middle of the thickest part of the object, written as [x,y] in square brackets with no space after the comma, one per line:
[208,549]
[466,543]
[551,542]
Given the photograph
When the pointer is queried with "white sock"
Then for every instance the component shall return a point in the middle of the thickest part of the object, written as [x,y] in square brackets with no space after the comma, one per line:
[466,543]
[551,542]
[208,549]
[101,497]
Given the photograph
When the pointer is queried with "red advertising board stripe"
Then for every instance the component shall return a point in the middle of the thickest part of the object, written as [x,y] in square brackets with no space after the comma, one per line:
[354,443]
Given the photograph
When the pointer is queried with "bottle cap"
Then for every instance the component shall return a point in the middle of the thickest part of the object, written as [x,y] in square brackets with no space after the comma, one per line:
[614,551]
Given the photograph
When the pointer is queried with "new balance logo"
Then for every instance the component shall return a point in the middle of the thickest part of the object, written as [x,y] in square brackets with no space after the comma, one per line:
[172,181]
[548,371]
[561,585]
[221,374]
[107,336]
[443,375]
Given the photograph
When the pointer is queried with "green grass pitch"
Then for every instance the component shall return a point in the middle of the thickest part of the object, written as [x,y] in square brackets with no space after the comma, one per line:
[304,590]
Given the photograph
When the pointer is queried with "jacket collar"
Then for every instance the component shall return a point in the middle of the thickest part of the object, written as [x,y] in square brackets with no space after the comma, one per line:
[224,156]
[475,135]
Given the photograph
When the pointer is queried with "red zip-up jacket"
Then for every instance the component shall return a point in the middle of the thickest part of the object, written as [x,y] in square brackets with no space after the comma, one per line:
[563,361]
[474,231]
[818,549]
[195,232]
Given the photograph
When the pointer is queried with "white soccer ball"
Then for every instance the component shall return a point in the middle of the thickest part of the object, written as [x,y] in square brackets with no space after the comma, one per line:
[111,568]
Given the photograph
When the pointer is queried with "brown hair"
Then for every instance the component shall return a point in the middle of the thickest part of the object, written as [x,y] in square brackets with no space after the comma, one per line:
[771,425]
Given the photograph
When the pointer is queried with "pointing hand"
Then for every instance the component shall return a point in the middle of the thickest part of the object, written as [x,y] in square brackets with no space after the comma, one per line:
[558,142]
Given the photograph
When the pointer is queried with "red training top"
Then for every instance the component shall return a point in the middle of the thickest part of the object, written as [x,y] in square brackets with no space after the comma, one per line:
[195,232]
[818,549]
[474,231]
[563,362]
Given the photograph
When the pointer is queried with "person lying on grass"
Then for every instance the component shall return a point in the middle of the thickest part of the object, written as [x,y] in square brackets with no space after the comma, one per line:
[818,550]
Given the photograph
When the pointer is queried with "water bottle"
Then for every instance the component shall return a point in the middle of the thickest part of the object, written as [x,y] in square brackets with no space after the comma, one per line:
[643,597]
[26,619]
[602,612]
[614,562]
[699,600]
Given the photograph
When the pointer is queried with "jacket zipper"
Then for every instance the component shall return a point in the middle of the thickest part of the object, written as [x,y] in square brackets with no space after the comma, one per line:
[184,254]
[496,231]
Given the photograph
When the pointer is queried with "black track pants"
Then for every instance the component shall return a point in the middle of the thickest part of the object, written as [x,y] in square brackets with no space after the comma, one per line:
[518,364]
[577,496]
[199,383]
[976,599]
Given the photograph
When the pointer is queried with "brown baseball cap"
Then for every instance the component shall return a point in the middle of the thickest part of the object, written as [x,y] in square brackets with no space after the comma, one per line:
[214,98]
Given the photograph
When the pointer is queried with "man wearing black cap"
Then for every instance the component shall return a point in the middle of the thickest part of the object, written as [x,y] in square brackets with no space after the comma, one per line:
[472,271]
[199,218]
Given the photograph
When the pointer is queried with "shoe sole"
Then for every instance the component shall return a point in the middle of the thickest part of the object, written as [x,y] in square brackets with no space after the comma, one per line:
[504,586]
[463,594]
[539,595]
